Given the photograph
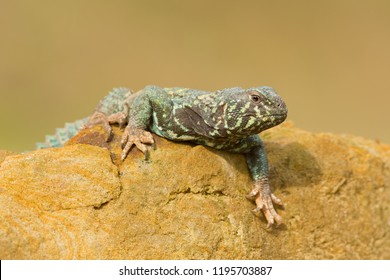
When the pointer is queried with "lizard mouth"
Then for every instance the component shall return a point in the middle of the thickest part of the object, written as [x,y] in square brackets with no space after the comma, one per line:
[269,116]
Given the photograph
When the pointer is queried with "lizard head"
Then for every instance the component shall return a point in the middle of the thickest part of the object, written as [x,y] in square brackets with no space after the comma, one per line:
[250,111]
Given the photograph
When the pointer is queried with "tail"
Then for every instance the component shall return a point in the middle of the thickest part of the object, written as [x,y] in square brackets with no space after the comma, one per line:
[62,134]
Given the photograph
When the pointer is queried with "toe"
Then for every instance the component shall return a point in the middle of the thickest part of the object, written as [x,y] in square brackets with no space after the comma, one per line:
[126,150]
[276,200]
[124,139]
[147,138]
[140,146]
[278,219]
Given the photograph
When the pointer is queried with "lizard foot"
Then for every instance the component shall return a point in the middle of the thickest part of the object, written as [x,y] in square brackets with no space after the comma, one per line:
[264,200]
[106,121]
[137,137]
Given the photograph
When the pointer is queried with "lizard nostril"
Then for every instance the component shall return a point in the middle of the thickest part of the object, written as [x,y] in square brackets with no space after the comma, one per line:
[282,105]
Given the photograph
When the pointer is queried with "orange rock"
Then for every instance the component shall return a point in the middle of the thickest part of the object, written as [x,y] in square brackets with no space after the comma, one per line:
[188,201]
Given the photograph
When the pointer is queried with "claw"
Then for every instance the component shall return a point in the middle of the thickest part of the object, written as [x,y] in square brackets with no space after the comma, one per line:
[126,150]
[137,137]
[124,139]
[264,200]
[140,146]
[276,200]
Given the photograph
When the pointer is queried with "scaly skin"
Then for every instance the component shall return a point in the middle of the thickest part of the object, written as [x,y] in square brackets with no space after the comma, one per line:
[228,119]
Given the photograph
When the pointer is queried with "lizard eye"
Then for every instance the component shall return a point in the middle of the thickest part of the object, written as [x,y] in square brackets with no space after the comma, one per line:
[255,98]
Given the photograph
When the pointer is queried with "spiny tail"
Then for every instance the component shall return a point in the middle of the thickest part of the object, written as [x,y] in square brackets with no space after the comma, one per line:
[112,103]
[62,134]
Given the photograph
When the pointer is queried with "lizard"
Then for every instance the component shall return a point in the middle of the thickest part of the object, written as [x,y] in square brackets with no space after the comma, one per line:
[228,119]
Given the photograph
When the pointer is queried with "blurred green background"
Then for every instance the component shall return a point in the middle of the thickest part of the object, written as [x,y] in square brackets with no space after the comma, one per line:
[329,60]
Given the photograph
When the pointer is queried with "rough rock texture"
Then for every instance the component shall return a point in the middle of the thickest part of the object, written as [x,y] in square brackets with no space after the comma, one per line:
[188,201]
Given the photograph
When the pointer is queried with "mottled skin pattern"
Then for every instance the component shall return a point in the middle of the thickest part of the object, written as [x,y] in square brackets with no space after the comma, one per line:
[228,119]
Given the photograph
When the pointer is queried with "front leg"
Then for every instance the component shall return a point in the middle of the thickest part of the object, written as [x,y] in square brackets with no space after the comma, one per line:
[257,162]
[261,193]
[139,117]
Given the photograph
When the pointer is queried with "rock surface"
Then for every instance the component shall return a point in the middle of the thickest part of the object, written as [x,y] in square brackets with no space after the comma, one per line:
[188,201]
